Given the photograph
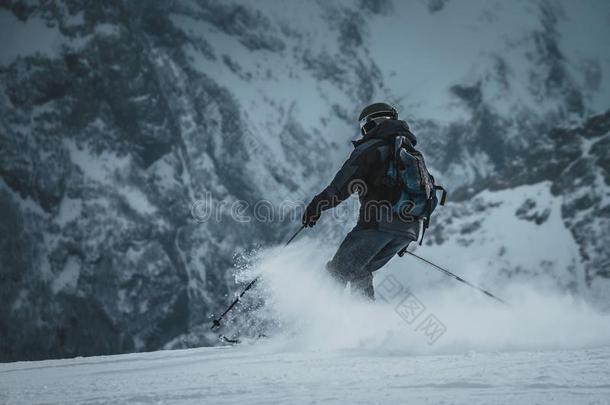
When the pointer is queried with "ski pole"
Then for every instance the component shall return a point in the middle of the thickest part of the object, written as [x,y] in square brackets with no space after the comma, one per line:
[450,274]
[216,322]
[295,235]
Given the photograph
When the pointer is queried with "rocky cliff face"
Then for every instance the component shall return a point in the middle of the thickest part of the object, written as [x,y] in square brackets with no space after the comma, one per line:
[108,142]
[115,117]
[542,219]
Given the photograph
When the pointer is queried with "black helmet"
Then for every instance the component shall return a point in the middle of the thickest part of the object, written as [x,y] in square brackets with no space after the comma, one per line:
[370,114]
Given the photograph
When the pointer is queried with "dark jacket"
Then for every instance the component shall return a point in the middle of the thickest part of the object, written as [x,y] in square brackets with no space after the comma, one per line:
[364,173]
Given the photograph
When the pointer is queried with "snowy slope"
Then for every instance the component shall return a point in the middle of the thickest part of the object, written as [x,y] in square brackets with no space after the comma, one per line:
[498,227]
[261,375]
[325,345]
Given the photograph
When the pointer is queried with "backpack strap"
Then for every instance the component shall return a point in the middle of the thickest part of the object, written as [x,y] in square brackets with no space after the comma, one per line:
[426,219]
[423,230]
[443,196]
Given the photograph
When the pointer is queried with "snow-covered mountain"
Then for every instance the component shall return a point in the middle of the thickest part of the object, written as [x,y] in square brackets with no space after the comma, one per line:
[115,117]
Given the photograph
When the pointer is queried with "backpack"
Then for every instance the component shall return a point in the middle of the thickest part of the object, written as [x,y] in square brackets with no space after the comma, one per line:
[415,186]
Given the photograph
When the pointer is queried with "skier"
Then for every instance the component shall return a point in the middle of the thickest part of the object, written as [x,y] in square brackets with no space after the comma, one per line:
[396,192]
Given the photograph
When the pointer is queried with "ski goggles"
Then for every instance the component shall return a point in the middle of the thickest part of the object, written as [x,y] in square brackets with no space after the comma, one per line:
[369,122]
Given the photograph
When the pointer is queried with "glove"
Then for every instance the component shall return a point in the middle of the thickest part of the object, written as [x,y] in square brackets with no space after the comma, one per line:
[312,214]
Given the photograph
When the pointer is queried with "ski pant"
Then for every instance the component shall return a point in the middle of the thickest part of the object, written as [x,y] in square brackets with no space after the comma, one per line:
[362,252]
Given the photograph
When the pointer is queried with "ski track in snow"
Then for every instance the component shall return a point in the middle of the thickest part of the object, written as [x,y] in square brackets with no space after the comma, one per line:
[260,374]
